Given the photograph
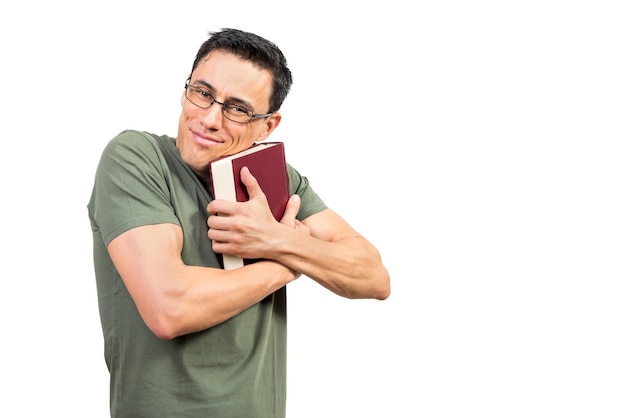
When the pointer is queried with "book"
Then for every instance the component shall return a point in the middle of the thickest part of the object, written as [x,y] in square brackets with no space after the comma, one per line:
[266,162]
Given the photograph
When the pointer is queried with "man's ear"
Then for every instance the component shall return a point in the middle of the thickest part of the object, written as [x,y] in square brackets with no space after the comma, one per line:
[269,125]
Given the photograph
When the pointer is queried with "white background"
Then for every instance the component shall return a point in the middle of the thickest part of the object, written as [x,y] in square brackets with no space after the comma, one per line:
[478,144]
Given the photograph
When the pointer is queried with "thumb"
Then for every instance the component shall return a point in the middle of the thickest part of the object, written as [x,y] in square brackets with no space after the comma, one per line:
[291,210]
[252,185]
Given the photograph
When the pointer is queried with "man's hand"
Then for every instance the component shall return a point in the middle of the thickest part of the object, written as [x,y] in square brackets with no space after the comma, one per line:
[289,217]
[248,229]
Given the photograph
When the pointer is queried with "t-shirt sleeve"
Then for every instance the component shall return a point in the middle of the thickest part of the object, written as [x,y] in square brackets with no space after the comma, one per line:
[310,202]
[130,187]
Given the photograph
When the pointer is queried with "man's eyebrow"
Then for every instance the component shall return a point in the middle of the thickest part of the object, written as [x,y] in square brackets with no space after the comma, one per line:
[205,84]
[235,100]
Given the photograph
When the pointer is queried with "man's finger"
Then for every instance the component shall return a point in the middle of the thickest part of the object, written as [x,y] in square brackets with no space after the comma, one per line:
[252,185]
[291,210]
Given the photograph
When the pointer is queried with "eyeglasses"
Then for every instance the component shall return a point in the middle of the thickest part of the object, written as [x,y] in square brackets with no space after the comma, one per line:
[231,111]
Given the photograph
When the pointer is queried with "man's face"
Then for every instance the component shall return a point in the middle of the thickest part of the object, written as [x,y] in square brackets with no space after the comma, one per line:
[205,134]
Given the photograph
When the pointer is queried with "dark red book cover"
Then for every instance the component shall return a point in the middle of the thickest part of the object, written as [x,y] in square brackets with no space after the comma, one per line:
[266,162]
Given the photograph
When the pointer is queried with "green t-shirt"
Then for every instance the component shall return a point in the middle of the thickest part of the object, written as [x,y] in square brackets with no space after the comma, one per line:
[235,369]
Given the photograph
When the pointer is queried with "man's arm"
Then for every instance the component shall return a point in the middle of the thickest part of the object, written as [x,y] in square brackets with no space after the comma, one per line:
[175,299]
[337,257]
[330,251]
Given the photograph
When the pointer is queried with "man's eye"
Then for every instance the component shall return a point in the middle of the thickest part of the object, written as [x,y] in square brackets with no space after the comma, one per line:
[235,109]
[205,94]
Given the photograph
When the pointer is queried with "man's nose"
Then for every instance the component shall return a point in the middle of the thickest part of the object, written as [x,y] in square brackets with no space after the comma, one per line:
[213,114]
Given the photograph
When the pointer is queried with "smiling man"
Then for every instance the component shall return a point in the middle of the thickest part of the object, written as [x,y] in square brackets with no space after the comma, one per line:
[184,337]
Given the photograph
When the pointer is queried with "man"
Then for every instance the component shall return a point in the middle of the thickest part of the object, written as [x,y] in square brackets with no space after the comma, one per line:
[184,337]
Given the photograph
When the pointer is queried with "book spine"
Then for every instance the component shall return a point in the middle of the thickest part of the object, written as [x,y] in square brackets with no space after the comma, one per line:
[226,190]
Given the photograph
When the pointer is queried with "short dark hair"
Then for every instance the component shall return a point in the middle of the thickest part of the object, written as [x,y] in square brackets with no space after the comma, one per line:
[256,49]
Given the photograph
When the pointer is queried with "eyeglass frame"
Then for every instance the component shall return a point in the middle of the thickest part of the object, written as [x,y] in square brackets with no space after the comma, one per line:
[223,106]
